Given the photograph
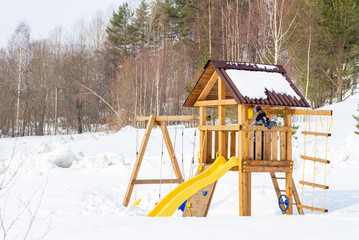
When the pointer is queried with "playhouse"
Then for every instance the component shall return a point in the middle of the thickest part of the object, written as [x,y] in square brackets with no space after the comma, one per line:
[240,147]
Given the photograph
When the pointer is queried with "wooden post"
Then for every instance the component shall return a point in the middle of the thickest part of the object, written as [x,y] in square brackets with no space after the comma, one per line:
[202,135]
[140,155]
[209,147]
[233,144]
[221,118]
[171,151]
[244,177]
[288,176]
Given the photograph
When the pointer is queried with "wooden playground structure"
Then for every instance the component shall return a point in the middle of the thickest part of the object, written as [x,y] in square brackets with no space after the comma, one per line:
[257,148]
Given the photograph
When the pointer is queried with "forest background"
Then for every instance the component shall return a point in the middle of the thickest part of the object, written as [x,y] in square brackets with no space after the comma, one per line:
[146,60]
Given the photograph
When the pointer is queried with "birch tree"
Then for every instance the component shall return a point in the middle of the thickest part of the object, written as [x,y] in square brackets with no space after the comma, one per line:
[20,49]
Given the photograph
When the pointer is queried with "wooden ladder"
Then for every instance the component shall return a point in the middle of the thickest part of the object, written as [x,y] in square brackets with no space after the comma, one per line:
[279,192]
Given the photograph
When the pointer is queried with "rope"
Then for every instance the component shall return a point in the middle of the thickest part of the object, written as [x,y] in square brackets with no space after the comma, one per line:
[182,160]
[160,186]
[136,154]
[305,140]
[315,155]
[201,150]
[326,156]
[174,155]
[192,163]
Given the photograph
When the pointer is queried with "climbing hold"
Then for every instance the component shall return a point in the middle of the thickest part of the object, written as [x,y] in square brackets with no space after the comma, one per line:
[250,113]
[204,193]
[183,205]
[285,203]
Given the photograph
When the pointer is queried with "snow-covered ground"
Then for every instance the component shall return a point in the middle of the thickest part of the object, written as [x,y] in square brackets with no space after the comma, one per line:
[84,201]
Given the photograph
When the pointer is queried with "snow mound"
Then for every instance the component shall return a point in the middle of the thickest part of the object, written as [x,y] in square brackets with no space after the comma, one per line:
[100,161]
[41,148]
[62,156]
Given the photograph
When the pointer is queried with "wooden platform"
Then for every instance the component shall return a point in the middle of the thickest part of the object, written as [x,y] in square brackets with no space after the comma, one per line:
[200,204]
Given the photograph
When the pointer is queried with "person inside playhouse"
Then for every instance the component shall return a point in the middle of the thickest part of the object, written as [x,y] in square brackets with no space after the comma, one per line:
[262,119]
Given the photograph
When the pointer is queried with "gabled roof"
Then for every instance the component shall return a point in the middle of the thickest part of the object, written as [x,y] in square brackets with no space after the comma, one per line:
[249,83]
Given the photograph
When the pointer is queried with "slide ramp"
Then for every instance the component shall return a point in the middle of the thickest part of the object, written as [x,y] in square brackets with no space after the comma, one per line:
[170,203]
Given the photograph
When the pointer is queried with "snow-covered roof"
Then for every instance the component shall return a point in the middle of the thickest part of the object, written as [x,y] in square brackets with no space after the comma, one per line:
[253,84]
[249,83]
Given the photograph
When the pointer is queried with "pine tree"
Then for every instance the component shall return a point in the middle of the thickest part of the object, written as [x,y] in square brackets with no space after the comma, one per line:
[119,32]
[357,119]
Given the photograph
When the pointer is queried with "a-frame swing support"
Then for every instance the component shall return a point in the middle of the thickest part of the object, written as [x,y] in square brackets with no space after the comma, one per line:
[151,122]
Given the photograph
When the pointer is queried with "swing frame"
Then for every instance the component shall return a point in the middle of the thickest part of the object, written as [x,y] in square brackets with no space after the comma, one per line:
[152,121]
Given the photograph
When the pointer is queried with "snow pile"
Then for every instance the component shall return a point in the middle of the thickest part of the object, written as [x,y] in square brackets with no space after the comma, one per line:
[62,156]
[100,161]
[253,84]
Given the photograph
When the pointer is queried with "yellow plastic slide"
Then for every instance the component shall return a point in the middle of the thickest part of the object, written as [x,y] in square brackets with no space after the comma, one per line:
[169,204]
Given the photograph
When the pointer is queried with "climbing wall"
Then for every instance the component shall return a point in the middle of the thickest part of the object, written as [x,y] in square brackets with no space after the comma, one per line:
[201,200]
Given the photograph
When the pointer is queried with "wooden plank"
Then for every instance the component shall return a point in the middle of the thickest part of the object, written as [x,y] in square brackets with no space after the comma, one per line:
[226,145]
[213,79]
[157,181]
[202,134]
[275,184]
[170,150]
[299,112]
[266,169]
[274,146]
[261,128]
[267,145]
[314,208]
[317,133]
[296,198]
[215,103]
[221,118]
[250,145]
[315,159]
[288,175]
[314,185]
[138,162]
[233,144]
[268,163]
[219,128]
[169,118]
[282,146]
[244,177]
[200,204]
[209,146]
[258,154]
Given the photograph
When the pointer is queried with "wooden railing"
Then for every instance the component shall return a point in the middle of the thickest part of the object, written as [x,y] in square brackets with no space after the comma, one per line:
[261,143]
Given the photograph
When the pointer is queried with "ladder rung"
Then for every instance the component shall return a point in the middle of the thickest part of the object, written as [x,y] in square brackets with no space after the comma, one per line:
[314,208]
[280,178]
[315,159]
[314,185]
[317,133]
[282,190]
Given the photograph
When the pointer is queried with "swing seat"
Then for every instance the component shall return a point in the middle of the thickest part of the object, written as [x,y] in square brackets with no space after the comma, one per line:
[135,203]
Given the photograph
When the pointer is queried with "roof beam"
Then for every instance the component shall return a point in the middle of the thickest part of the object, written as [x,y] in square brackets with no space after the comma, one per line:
[215,103]
[208,86]
[169,118]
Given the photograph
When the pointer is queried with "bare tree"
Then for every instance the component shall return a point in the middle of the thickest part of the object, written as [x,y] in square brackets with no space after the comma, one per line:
[20,49]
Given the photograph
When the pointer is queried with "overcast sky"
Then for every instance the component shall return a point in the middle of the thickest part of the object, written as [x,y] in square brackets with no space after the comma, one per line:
[42,16]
